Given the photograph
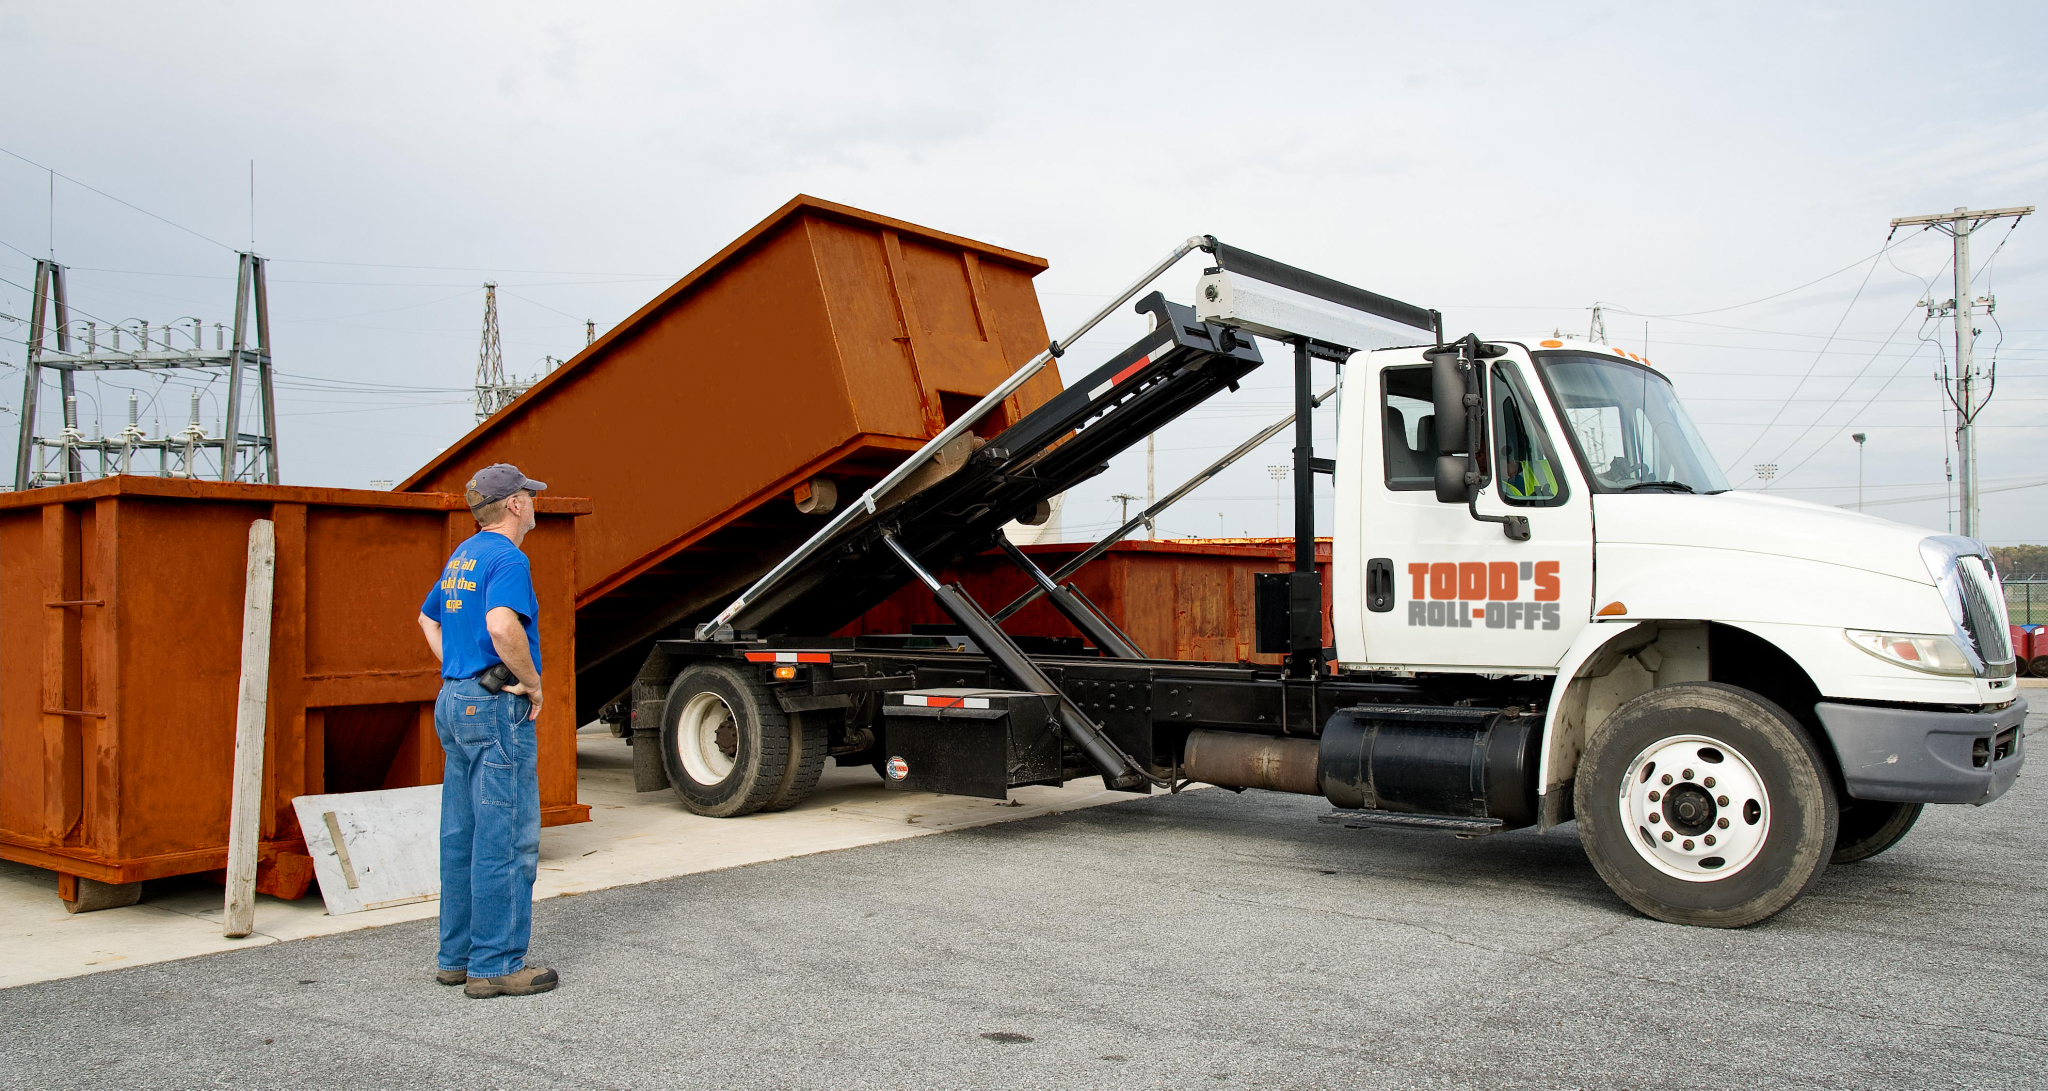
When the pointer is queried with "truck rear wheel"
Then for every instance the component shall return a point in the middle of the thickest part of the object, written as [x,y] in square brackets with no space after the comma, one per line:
[725,741]
[1705,804]
[1869,827]
[809,745]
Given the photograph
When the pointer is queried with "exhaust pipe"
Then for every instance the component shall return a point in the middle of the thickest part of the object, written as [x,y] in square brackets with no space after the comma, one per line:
[1231,759]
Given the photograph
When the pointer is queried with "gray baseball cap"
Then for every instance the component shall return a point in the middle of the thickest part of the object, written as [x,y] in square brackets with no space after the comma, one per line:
[496,482]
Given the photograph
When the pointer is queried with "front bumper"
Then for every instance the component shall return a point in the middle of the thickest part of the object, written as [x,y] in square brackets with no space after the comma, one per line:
[1909,755]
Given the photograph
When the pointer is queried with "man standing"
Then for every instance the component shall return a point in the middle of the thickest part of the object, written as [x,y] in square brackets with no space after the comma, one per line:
[483,623]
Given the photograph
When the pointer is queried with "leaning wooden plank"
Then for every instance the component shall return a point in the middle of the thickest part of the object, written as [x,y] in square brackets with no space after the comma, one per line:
[246,805]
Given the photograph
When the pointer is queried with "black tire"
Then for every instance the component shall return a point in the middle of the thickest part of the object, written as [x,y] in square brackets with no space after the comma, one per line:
[1869,827]
[731,759]
[810,743]
[1777,839]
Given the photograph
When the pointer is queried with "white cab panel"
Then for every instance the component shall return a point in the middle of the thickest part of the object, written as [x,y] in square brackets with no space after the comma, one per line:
[1466,598]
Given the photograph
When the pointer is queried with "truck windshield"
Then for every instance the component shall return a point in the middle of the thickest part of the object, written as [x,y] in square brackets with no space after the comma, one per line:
[1629,428]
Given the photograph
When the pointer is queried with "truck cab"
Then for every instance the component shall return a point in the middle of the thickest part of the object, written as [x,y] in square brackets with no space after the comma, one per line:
[1571,525]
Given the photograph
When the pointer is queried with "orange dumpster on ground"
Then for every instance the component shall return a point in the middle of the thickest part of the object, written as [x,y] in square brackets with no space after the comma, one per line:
[1188,598]
[120,657]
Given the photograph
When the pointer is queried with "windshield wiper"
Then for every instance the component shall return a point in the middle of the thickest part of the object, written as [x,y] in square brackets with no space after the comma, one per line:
[1679,485]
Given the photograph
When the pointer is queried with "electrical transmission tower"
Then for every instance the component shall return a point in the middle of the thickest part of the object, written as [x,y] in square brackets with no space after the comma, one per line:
[1596,330]
[1964,308]
[493,390]
[235,455]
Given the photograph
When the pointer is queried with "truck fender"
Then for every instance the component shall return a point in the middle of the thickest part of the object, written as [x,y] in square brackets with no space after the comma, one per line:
[1592,652]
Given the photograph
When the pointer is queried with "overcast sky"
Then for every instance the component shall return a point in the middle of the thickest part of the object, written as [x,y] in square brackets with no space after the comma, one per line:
[1507,164]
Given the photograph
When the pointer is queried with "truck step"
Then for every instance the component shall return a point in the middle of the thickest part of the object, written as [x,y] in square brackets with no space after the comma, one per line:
[1463,827]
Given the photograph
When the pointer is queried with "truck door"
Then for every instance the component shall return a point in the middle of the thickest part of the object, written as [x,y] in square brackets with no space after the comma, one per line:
[1445,591]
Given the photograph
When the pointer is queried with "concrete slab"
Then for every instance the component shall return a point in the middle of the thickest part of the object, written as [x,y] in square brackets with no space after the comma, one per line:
[631,838]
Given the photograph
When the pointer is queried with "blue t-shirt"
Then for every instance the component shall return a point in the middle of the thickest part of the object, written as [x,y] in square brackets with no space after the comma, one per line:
[485,572]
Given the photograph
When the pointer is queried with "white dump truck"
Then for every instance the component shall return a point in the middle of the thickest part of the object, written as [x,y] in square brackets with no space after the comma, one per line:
[1547,603]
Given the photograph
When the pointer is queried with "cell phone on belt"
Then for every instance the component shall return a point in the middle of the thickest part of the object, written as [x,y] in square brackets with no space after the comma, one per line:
[497,678]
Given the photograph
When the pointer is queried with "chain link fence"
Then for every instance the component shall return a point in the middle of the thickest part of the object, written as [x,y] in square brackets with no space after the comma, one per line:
[2026,600]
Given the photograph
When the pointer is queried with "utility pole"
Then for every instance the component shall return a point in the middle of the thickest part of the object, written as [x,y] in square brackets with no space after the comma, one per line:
[1123,513]
[1151,486]
[589,330]
[1959,225]
[1859,437]
[1279,473]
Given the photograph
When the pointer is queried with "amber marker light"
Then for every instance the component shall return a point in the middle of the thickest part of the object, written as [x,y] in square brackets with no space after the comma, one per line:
[1612,609]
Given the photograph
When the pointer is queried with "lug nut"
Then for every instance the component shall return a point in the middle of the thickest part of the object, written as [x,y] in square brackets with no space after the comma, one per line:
[1688,774]
[1686,844]
[1667,835]
[1709,839]
[1655,796]
[1722,800]
[1709,782]
[1655,818]
[1667,778]
[1721,822]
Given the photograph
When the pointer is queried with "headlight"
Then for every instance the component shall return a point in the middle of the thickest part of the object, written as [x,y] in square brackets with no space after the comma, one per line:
[1915,651]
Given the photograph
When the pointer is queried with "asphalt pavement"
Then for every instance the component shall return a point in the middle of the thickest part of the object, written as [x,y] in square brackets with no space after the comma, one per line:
[1201,940]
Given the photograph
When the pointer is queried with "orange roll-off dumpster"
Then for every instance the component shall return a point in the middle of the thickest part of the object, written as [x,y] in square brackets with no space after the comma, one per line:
[715,428]
[120,644]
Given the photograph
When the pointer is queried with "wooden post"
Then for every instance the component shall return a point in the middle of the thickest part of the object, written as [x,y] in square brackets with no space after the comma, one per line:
[245,811]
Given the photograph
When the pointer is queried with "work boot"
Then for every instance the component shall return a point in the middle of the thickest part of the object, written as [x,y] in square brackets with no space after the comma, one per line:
[451,977]
[526,982]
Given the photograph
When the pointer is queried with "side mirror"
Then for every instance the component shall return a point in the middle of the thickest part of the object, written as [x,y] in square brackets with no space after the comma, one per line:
[1450,479]
[1453,432]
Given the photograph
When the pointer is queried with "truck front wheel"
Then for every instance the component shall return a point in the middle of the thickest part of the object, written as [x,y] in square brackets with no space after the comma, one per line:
[1869,827]
[1705,804]
[725,741]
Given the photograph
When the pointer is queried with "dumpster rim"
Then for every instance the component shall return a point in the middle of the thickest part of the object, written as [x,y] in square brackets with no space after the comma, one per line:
[792,210]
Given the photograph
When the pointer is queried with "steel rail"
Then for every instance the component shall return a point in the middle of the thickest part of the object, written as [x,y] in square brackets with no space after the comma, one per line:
[1118,535]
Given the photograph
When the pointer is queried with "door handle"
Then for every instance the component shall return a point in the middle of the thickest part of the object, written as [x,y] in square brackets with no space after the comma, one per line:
[1379,584]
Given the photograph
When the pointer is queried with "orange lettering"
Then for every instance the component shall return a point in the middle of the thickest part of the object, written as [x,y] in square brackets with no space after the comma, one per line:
[1420,573]
[1472,580]
[1443,581]
[1546,581]
[1503,581]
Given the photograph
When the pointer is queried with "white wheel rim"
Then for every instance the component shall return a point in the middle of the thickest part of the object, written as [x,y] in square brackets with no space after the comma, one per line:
[1695,808]
[697,742]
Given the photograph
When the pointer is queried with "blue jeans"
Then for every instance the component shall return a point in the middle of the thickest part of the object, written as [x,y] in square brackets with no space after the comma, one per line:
[490,828]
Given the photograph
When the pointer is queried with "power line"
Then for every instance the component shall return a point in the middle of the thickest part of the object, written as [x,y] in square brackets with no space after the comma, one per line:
[128,204]
[1860,372]
[543,306]
[474,269]
[1776,295]
[1817,356]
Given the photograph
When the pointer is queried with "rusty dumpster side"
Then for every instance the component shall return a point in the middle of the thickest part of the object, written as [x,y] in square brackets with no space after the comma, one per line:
[1187,599]
[824,343]
[120,646]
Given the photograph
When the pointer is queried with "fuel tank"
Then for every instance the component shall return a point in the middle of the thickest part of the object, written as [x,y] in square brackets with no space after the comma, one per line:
[1461,762]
